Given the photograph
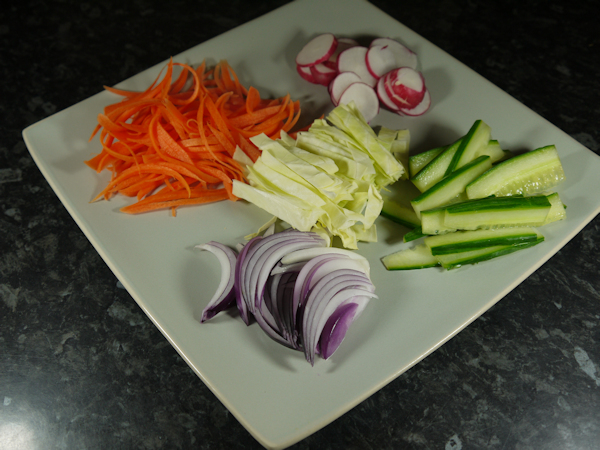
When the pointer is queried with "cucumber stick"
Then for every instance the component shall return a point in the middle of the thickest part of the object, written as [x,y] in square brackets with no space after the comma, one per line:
[471,144]
[492,212]
[452,186]
[435,170]
[465,241]
[404,215]
[471,248]
[454,260]
[414,234]
[417,257]
[528,173]
[420,160]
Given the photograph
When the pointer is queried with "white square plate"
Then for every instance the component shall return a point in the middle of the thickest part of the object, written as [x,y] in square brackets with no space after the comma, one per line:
[272,390]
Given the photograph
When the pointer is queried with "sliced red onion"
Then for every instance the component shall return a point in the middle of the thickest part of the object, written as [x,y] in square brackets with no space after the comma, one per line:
[323,313]
[224,296]
[299,289]
[257,267]
[310,253]
[303,294]
[327,288]
[284,268]
[335,329]
[240,301]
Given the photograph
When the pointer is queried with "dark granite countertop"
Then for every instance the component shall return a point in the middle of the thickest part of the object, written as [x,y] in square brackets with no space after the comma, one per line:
[82,367]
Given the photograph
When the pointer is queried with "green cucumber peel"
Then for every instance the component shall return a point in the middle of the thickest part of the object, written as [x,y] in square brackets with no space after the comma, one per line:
[435,170]
[400,215]
[414,234]
[452,186]
[464,241]
[476,138]
[420,160]
[456,260]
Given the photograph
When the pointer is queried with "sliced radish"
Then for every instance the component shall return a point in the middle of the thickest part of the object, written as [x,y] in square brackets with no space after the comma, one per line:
[421,108]
[380,60]
[317,50]
[340,83]
[343,44]
[387,85]
[354,60]
[364,97]
[384,97]
[305,72]
[322,74]
[407,84]
[403,55]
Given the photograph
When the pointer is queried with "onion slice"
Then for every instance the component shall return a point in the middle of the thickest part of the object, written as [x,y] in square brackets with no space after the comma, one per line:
[224,296]
[302,293]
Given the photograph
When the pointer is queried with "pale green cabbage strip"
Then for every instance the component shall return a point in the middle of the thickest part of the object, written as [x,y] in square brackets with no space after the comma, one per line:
[329,179]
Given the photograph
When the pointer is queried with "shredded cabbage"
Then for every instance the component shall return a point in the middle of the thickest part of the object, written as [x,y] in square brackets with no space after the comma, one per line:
[329,178]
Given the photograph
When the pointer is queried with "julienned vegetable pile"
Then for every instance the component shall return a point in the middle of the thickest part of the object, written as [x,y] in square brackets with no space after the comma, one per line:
[301,292]
[476,202]
[174,143]
[329,178]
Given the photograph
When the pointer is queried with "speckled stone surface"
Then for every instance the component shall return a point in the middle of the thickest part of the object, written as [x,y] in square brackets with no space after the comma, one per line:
[82,367]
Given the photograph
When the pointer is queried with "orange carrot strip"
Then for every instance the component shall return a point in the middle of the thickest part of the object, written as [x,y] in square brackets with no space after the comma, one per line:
[254,117]
[249,149]
[136,170]
[209,197]
[170,146]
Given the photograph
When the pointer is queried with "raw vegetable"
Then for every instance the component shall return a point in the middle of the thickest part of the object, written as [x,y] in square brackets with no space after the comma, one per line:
[329,178]
[405,87]
[402,56]
[527,173]
[449,189]
[317,50]
[302,293]
[473,184]
[386,68]
[489,212]
[364,97]
[339,84]
[223,297]
[354,60]
[422,257]
[174,143]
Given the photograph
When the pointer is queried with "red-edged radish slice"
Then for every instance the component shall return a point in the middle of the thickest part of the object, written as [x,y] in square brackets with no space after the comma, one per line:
[407,84]
[384,98]
[322,74]
[305,72]
[387,85]
[364,97]
[343,44]
[339,84]
[421,108]
[380,60]
[353,59]
[317,50]
[403,55]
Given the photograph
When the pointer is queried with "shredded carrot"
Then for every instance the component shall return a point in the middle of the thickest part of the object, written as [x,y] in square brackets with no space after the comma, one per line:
[172,144]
